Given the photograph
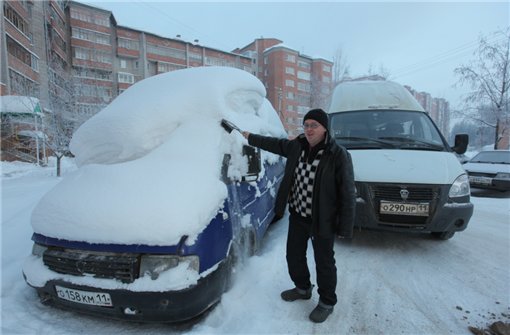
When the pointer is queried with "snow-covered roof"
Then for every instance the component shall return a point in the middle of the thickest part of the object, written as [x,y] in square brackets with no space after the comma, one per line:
[370,95]
[17,104]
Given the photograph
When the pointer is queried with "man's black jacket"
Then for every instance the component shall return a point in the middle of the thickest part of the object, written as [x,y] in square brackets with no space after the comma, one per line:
[334,198]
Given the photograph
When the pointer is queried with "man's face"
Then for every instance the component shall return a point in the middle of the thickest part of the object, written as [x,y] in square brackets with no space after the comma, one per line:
[314,132]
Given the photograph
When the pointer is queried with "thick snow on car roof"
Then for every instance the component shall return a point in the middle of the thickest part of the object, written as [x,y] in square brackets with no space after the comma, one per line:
[372,95]
[150,162]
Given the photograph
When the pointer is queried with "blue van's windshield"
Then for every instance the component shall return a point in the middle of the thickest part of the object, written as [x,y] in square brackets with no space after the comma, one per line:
[386,129]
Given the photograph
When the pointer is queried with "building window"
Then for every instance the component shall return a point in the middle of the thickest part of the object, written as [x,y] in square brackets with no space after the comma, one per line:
[195,57]
[34,63]
[214,61]
[289,83]
[167,67]
[305,87]
[302,110]
[304,65]
[21,85]
[12,16]
[303,99]
[289,70]
[87,90]
[92,74]
[89,35]
[123,63]
[92,55]
[290,58]
[127,78]
[303,75]
[326,68]
[166,51]
[290,95]
[57,19]
[128,44]
[22,54]
[91,17]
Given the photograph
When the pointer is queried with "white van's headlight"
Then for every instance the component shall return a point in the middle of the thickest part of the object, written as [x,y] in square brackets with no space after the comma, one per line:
[460,187]
[154,265]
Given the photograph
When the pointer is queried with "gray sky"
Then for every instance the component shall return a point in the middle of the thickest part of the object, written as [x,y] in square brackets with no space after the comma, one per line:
[418,43]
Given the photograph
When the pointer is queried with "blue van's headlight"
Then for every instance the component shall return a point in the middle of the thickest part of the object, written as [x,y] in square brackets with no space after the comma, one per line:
[460,187]
[154,265]
[38,250]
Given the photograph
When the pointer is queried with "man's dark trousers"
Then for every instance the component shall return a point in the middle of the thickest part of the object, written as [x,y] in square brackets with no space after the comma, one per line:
[297,242]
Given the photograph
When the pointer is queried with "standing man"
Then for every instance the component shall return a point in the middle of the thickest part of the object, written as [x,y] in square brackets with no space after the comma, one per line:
[318,185]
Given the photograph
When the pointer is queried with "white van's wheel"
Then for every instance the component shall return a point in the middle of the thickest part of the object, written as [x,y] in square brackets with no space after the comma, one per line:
[443,235]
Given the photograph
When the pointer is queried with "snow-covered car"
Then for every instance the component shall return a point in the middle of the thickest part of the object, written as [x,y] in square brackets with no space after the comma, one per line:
[163,202]
[407,177]
[490,170]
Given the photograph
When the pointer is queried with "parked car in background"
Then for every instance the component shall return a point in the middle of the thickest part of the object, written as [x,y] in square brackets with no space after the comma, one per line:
[490,170]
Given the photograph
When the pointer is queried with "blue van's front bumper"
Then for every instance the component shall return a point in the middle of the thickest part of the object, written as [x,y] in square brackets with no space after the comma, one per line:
[171,306]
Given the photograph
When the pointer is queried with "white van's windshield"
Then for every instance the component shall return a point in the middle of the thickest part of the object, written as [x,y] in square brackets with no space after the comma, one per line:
[386,129]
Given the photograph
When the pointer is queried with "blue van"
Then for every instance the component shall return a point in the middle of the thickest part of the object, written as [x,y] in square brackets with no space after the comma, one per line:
[107,269]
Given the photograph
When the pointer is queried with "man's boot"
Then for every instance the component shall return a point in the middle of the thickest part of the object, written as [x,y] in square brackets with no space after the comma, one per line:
[321,312]
[296,294]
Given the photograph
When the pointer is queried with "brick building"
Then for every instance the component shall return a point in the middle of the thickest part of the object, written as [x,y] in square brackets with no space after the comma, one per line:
[294,82]
[438,109]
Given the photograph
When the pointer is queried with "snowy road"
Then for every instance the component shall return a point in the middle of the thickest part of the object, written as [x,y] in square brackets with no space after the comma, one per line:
[388,283]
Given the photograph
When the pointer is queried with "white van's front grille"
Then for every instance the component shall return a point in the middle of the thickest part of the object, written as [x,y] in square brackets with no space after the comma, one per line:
[413,193]
[404,194]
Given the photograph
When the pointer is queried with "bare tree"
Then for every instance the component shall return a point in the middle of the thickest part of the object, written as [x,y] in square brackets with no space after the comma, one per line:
[340,67]
[382,72]
[488,75]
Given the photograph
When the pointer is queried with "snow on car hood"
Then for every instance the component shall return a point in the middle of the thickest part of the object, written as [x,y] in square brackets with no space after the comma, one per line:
[405,166]
[150,162]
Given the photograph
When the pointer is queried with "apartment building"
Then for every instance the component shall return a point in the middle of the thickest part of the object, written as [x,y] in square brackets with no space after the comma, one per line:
[34,63]
[438,109]
[295,83]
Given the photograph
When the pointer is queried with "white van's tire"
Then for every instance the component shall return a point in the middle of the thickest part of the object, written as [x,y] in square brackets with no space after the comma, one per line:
[443,235]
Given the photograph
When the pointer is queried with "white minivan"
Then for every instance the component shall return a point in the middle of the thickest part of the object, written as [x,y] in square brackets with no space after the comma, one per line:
[408,178]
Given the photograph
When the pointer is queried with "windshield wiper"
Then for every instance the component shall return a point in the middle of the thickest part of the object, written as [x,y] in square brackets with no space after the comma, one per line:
[384,144]
[412,143]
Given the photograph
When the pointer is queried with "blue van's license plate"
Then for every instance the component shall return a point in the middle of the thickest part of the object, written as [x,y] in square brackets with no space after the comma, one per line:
[84,297]
[399,208]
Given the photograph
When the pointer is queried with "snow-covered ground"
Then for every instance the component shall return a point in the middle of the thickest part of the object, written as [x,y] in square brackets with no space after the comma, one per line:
[387,283]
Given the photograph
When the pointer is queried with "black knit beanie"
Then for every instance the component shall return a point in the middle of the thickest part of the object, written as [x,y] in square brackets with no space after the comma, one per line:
[318,115]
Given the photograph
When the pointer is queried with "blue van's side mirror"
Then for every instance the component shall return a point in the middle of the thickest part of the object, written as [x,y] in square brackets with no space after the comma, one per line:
[254,162]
